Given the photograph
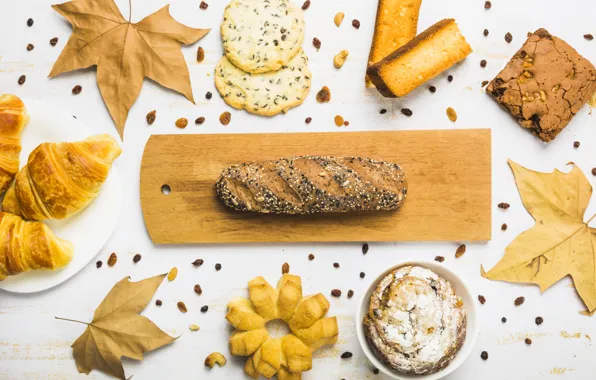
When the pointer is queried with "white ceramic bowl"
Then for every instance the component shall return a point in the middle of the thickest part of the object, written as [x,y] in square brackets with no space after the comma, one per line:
[461,290]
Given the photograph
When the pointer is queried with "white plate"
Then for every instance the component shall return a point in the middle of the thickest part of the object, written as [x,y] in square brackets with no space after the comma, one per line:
[87,230]
[461,289]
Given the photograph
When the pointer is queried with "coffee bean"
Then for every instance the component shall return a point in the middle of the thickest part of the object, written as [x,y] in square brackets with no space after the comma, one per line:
[98,264]
[362,274]
[77,89]
[346,355]
[30,22]
[519,301]
[336,293]
[406,111]
[158,302]
[204,309]
[22,80]
[365,248]
[482,299]
[484,355]
[217,267]
[539,320]
[136,258]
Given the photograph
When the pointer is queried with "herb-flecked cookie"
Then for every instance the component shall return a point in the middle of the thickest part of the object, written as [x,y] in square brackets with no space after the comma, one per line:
[264,94]
[262,35]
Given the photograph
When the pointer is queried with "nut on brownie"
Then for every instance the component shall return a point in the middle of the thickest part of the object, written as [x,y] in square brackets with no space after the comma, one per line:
[544,85]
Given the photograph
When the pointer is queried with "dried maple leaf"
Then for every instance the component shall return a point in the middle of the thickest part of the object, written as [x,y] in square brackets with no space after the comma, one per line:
[118,330]
[125,53]
[560,243]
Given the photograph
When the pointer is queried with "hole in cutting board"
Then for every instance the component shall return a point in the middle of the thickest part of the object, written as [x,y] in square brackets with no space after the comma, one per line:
[166,189]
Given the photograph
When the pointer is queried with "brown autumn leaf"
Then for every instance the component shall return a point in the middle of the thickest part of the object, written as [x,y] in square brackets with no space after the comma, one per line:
[125,53]
[560,243]
[118,330]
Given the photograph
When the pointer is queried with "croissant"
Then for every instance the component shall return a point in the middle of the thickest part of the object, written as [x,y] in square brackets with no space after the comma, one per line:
[26,246]
[60,179]
[13,118]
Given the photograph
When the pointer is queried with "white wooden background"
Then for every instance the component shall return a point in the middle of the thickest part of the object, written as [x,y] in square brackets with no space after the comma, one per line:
[33,345]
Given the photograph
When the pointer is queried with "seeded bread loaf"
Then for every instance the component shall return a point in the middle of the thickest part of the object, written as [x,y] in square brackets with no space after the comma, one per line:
[313,184]
[426,56]
[396,25]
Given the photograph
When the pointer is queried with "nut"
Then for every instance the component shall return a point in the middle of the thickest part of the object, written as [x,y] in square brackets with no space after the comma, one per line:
[172,274]
[339,121]
[460,251]
[200,54]
[182,307]
[194,328]
[225,118]
[182,122]
[215,358]
[527,74]
[451,114]
[543,95]
[340,59]
[339,17]
[112,259]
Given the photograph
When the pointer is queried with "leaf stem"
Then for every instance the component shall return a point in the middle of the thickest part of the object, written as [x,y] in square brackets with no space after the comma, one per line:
[71,320]
[129,10]
[593,216]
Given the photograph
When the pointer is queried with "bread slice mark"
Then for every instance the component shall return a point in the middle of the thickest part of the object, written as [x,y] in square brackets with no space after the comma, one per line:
[426,56]
[396,24]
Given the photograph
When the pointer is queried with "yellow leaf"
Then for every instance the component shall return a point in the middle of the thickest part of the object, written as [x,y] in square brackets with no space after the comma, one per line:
[125,53]
[118,330]
[560,243]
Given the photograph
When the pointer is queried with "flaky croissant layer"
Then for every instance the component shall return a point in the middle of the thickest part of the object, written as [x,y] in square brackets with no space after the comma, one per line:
[26,246]
[13,118]
[60,179]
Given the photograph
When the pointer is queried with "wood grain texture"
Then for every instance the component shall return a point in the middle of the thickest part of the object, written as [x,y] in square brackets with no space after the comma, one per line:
[449,194]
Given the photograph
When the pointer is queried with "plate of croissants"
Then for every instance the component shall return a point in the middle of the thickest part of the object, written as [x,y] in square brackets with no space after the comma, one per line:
[60,195]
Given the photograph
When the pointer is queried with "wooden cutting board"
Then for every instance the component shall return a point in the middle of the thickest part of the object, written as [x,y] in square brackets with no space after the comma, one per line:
[449,194]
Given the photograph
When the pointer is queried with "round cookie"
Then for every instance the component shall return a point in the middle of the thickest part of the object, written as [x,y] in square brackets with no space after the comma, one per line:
[416,323]
[264,94]
[260,36]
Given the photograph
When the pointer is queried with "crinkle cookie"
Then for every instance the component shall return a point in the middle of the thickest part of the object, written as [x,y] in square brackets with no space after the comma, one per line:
[416,323]
[264,94]
[262,35]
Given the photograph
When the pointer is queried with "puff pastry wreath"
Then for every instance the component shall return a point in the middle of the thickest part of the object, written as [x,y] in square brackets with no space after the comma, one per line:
[290,355]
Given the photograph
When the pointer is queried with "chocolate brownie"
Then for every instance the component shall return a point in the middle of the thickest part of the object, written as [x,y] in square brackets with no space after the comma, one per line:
[544,85]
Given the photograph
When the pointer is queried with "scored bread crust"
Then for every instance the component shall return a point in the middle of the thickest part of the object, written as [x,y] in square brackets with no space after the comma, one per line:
[443,62]
[416,323]
[313,184]
[395,25]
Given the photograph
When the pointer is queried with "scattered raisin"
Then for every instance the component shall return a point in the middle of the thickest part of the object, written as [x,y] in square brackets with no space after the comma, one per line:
[503,319]
[151,117]
[203,5]
[198,262]
[54,41]
[383,111]
[432,89]
[182,307]
[198,289]
[449,78]
[316,43]
[308,120]
[306,5]
[136,258]
[519,301]
[539,320]
[376,371]
[30,47]
[362,274]
[484,355]
[336,265]
[485,32]
[576,144]
[460,251]
[451,114]
[182,123]
[208,95]
[204,309]
[339,121]
[30,22]
[285,268]
[324,95]
[508,37]
[336,293]
[406,111]
[588,37]
[439,259]
[346,123]
[350,293]
[504,227]
[22,79]
[594,171]
[487,5]
[77,89]
[158,302]
[98,264]
[483,63]
[356,24]
[200,54]
[112,259]
[218,267]
[199,120]
[225,118]
[482,299]
[504,205]
[346,355]
[528,341]
[311,257]
[484,83]
[365,248]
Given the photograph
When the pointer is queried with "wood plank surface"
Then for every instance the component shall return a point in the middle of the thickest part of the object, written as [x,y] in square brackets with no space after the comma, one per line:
[449,193]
